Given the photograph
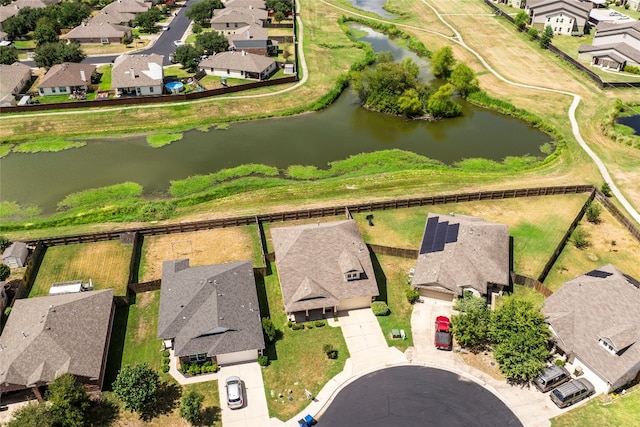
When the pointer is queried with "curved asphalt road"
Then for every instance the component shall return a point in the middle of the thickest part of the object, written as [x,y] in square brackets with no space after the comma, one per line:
[416,396]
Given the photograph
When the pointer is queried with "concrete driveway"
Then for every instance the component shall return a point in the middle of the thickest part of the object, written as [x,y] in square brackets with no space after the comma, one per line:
[254,412]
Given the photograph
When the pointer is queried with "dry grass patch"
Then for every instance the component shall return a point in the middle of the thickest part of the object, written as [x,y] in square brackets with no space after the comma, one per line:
[610,243]
[202,248]
[484,362]
[105,263]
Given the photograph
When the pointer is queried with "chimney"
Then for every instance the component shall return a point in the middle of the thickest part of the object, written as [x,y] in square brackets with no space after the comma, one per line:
[83,76]
[133,74]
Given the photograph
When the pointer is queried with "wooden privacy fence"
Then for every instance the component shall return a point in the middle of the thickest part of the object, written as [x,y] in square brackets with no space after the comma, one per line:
[388,250]
[538,286]
[626,222]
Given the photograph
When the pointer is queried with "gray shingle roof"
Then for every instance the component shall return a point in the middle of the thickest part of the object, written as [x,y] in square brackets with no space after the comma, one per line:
[147,71]
[462,251]
[618,51]
[98,30]
[68,74]
[16,250]
[48,336]
[245,4]
[242,61]
[209,309]
[600,304]
[233,15]
[12,75]
[311,259]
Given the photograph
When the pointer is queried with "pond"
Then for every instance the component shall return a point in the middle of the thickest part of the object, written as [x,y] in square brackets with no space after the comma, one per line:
[342,130]
[375,6]
[632,121]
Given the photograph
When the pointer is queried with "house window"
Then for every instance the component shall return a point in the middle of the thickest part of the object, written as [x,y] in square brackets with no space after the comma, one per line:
[236,25]
[40,90]
[607,346]
[62,89]
[104,40]
[228,71]
[198,357]
[352,275]
[227,25]
[151,89]
[53,90]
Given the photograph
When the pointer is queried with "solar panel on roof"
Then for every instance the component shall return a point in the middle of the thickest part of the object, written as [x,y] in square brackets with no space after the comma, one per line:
[429,233]
[452,233]
[599,274]
[438,240]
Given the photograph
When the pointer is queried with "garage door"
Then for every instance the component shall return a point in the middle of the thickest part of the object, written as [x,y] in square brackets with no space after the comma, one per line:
[354,303]
[238,357]
[429,293]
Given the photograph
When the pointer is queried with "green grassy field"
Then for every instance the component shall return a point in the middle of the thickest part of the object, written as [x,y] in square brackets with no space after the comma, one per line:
[105,263]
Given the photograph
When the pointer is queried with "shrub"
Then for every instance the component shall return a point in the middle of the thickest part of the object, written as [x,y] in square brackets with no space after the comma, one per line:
[320,323]
[533,33]
[289,323]
[165,368]
[263,360]
[412,295]
[166,360]
[194,369]
[469,302]
[560,362]
[297,326]
[165,353]
[581,238]
[327,348]
[593,213]
[5,271]
[308,325]
[333,354]
[606,189]
[184,368]
[191,407]
[269,329]
[380,308]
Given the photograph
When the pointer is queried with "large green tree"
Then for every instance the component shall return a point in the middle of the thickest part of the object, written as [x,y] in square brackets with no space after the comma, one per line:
[137,387]
[284,6]
[464,79]
[521,20]
[46,31]
[442,62]
[70,14]
[188,55]
[545,37]
[440,103]
[49,54]
[191,407]
[147,20]
[8,55]
[69,401]
[471,329]
[212,42]
[202,11]
[32,415]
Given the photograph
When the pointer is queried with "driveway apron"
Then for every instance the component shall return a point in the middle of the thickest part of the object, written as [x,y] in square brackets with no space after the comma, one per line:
[254,412]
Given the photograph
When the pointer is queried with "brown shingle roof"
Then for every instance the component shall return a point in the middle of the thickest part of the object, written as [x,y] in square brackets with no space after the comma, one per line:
[147,71]
[97,31]
[12,75]
[600,304]
[462,251]
[242,61]
[310,261]
[233,15]
[68,74]
[48,336]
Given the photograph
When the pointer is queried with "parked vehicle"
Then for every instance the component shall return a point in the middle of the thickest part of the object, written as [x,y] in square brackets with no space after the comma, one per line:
[442,338]
[552,377]
[178,43]
[235,395]
[574,391]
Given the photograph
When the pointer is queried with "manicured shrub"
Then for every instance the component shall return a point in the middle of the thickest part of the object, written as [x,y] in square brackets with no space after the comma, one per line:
[263,360]
[297,326]
[166,360]
[269,329]
[308,325]
[380,308]
[165,368]
[289,323]
[320,323]
[165,353]
[560,362]
[194,369]
[412,295]
[5,271]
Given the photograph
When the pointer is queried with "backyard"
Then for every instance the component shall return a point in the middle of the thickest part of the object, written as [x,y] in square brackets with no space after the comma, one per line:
[105,263]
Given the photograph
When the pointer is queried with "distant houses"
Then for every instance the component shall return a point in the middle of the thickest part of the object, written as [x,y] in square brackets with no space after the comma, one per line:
[241,65]
[137,75]
[614,46]
[566,17]
[13,79]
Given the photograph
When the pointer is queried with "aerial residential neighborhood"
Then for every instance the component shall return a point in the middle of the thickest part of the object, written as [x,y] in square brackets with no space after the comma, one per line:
[294,213]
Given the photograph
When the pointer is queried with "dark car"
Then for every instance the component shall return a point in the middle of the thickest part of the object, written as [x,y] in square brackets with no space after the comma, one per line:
[552,377]
[442,339]
[574,391]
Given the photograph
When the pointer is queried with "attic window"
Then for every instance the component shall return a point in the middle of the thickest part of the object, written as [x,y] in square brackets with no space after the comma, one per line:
[607,346]
[352,275]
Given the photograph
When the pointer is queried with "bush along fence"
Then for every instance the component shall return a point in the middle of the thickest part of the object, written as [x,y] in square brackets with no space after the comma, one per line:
[593,76]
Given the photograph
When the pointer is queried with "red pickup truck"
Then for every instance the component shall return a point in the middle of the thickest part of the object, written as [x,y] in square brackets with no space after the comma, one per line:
[442,339]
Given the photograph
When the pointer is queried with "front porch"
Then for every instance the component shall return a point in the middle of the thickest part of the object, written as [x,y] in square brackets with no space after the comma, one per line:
[313,314]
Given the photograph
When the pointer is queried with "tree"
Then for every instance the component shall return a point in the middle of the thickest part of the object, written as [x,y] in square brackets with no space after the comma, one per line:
[279,16]
[188,56]
[409,103]
[284,6]
[464,79]
[471,329]
[191,407]
[5,271]
[69,401]
[46,31]
[546,36]
[4,243]
[212,42]
[202,11]
[49,54]
[533,33]
[8,55]
[521,336]
[269,329]
[440,103]
[593,213]
[32,415]
[70,14]
[137,387]
[521,20]
[442,61]
[147,20]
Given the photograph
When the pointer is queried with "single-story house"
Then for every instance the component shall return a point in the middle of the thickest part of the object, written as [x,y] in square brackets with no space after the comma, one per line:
[462,253]
[252,39]
[595,323]
[121,12]
[614,46]
[566,17]
[137,75]
[15,255]
[98,33]
[66,78]
[240,65]
[230,19]
[210,312]
[323,268]
[49,336]
[245,4]
[13,79]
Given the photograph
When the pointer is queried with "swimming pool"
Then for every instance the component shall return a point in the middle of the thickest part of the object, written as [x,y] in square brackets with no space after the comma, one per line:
[174,87]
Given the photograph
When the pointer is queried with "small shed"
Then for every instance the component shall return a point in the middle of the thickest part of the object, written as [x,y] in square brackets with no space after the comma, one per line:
[15,255]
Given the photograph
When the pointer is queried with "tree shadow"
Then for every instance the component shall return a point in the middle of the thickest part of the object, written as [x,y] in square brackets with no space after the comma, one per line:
[168,399]
[210,415]
[381,278]
[262,297]
[103,413]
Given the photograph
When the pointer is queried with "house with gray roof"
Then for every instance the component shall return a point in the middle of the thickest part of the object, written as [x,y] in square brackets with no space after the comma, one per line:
[241,65]
[566,17]
[323,268]
[15,255]
[245,4]
[252,39]
[49,336]
[137,75]
[13,79]
[210,312]
[98,33]
[614,46]
[595,323]
[227,20]
[462,253]
[66,78]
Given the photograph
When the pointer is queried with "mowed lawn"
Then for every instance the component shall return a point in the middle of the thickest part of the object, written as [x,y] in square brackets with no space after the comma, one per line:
[105,263]
[602,413]
[536,223]
[297,360]
[610,243]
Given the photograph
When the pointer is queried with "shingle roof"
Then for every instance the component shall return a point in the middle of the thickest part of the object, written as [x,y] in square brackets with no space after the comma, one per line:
[245,4]
[112,17]
[68,74]
[462,251]
[209,309]
[233,15]
[540,6]
[311,261]
[12,75]
[623,51]
[96,31]
[147,71]
[126,6]
[243,61]
[48,336]
[250,32]
[16,249]
[600,304]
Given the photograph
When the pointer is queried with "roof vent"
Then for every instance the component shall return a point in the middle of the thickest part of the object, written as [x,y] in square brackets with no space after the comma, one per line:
[24,335]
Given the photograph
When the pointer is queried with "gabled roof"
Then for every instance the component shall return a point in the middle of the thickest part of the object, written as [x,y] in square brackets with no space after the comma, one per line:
[17,250]
[617,51]
[126,6]
[571,7]
[68,74]
[242,61]
[112,17]
[12,75]
[311,260]
[48,336]
[601,304]
[238,15]
[250,32]
[98,30]
[245,4]
[606,28]
[147,71]
[209,309]
[460,252]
